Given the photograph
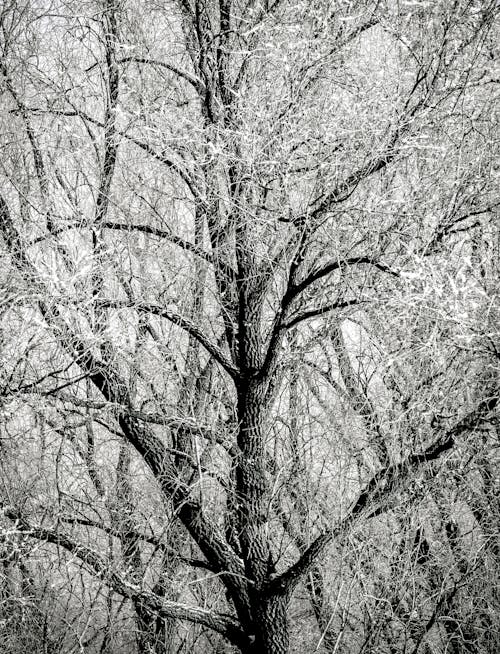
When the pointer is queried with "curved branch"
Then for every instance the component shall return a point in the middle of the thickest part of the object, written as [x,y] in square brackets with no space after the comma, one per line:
[172,238]
[108,382]
[294,289]
[197,84]
[452,227]
[346,188]
[378,492]
[338,265]
[101,567]
[320,311]
[178,320]
[159,156]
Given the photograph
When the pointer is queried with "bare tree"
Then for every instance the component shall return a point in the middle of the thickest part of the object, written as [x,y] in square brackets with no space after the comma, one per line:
[250,322]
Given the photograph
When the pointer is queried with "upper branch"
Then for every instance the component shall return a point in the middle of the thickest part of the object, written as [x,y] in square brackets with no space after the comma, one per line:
[337,265]
[110,141]
[344,190]
[184,323]
[172,238]
[319,311]
[196,83]
[159,156]
[294,289]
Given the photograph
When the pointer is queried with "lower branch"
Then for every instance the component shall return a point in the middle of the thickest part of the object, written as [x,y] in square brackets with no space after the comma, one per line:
[100,566]
[378,493]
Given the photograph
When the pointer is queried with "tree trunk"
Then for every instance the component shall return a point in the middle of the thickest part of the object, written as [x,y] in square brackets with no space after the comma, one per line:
[271,634]
[269,625]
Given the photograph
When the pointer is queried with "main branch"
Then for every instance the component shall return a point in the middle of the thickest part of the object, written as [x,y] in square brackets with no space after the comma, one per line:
[101,567]
[379,492]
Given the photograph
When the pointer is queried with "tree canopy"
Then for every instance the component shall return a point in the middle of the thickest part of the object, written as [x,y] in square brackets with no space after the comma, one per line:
[249,369]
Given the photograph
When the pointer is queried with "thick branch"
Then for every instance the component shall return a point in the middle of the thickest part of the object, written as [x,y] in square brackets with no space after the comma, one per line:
[172,238]
[320,311]
[101,567]
[202,529]
[344,190]
[338,265]
[181,322]
[110,133]
[280,326]
[379,491]
[376,494]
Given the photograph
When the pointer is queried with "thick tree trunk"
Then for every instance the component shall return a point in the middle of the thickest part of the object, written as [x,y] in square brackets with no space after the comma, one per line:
[272,621]
[270,626]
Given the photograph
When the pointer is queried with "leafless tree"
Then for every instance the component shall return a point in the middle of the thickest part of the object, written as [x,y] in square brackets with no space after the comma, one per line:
[250,344]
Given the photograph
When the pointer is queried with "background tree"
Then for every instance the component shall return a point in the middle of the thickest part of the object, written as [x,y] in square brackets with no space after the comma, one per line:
[249,325]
